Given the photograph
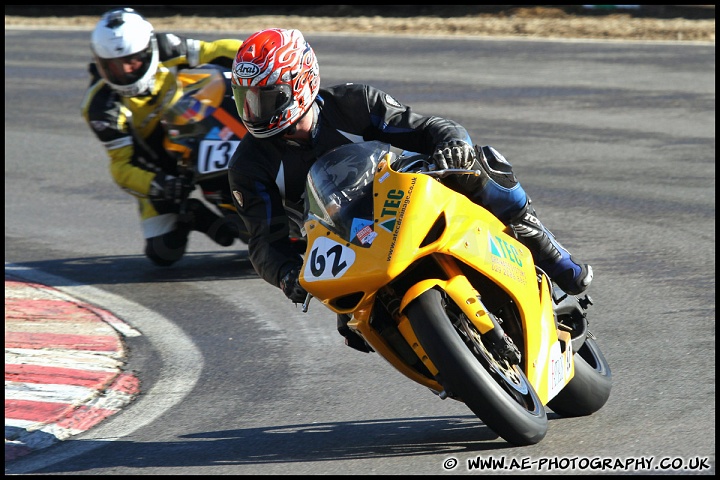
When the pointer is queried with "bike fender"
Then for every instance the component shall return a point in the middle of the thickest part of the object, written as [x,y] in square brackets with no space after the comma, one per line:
[408,333]
[462,293]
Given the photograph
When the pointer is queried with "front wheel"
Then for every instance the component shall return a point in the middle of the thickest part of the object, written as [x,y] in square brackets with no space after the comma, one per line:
[497,392]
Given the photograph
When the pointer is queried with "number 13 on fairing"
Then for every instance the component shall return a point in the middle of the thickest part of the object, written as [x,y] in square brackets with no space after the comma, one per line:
[214,155]
[327,259]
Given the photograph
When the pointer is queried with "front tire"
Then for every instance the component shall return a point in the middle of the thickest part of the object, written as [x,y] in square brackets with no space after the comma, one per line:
[497,392]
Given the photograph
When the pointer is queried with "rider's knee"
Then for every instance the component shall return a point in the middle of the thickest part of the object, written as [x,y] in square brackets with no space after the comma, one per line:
[166,249]
[494,164]
[501,193]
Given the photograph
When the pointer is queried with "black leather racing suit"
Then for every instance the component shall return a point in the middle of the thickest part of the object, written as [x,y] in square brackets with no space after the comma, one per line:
[267,176]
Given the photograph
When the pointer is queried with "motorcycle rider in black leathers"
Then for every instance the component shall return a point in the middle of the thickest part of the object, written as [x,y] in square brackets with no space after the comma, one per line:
[292,121]
[133,82]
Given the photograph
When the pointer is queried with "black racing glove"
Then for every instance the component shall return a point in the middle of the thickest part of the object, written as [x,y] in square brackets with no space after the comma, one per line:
[170,188]
[290,285]
[454,154]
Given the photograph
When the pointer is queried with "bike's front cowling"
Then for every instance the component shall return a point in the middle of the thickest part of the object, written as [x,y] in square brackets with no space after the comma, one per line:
[203,131]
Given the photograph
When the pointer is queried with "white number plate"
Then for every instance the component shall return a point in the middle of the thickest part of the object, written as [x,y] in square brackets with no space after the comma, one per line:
[214,155]
[327,260]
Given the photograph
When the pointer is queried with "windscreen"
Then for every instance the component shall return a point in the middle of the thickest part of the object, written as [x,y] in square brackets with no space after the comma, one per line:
[339,188]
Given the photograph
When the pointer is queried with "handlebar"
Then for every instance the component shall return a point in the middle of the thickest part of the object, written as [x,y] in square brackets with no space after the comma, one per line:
[422,164]
[452,171]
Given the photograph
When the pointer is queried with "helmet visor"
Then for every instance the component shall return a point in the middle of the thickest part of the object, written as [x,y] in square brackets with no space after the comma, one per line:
[128,69]
[261,105]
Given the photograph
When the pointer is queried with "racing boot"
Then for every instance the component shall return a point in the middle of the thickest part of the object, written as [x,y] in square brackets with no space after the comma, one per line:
[201,219]
[498,190]
[573,277]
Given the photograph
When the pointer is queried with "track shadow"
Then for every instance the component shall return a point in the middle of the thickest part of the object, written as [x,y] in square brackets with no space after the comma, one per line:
[129,269]
[317,442]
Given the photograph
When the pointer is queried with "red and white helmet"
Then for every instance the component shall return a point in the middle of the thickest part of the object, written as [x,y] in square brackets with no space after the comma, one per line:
[123,37]
[275,79]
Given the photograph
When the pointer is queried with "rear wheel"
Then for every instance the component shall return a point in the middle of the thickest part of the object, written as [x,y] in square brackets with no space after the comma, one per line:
[589,389]
[497,391]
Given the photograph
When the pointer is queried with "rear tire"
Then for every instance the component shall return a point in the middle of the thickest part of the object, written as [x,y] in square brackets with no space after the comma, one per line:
[498,393]
[589,389]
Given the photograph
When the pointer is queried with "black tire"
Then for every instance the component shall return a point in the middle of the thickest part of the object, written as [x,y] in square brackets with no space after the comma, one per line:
[504,400]
[590,388]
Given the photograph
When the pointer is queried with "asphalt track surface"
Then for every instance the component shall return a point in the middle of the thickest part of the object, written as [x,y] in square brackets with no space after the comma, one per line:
[615,141]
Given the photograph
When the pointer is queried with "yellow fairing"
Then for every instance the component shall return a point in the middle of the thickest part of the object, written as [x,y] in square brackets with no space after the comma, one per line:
[551,350]
[416,216]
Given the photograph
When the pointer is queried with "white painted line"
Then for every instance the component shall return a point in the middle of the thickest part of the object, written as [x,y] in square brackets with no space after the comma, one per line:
[64,358]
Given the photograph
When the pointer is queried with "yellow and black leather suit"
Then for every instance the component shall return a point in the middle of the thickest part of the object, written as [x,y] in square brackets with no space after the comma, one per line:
[129,127]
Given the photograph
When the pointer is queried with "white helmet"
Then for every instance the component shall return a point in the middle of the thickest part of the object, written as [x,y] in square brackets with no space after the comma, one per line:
[126,51]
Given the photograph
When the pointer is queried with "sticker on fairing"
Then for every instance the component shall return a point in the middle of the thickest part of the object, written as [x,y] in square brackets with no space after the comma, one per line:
[362,229]
[506,259]
[214,155]
[327,259]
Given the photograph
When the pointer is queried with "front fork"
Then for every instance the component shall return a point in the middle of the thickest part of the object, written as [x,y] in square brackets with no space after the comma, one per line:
[459,289]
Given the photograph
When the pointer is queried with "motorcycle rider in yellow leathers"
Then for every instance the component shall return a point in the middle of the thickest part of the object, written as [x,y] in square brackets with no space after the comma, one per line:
[133,82]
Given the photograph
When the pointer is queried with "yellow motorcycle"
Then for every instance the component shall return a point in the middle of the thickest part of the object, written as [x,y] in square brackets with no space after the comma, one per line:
[441,289]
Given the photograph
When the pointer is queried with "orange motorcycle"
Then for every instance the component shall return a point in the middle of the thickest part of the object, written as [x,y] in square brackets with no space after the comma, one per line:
[202,132]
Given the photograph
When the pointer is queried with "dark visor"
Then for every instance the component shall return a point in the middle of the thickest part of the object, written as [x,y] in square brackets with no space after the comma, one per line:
[258,105]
